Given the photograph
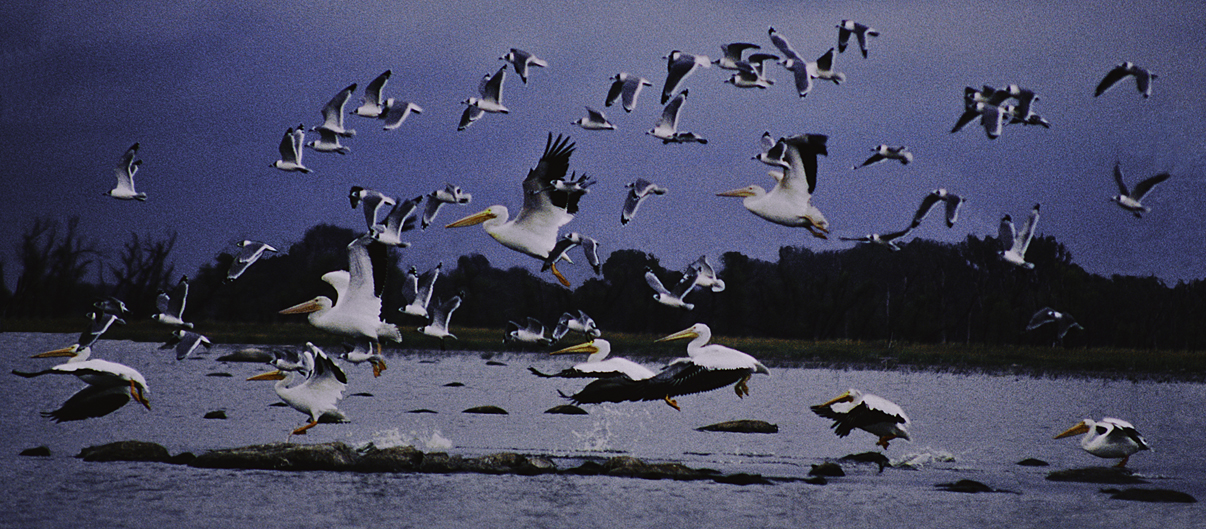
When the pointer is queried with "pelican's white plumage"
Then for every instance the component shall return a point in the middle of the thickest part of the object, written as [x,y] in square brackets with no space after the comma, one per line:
[628,87]
[171,307]
[1015,243]
[249,252]
[1132,200]
[110,386]
[125,169]
[598,364]
[313,388]
[332,114]
[789,203]
[1109,438]
[291,150]
[867,412]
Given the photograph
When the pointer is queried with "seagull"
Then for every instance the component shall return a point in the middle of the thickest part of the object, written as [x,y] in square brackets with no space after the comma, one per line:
[992,117]
[328,142]
[362,351]
[490,90]
[438,325]
[627,86]
[1131,200]
[752,73]
[887,240]
[666,128]
[860,31]
[667,298]
[1062,320]
[171,307]
[111,305]
[374,202]
[110,386]
[125,169]
[638,191]
[702,275]
[594,120]
[249,252]
[291,151]
[590,248]
[867,412]
[951,200]
[679,66]
[773,151]
[822,69]
[396,112]
[417,291]
[793,62]
[1143,78]
[1109,438]
[472,113]
[1015,244]
[449,195]
[332,114]
[532,332]
[598,365]
[314,388]
[731,58]
[545,209]
[185,342]
[581,323]
[371,105]
[884,153]
[789,203]
[99,322]
[521,60]
[400,219]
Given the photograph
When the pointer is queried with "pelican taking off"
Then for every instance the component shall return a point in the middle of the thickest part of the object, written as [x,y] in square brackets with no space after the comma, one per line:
[1110,438]
[598,365]
[110,386]
[867,412]
[313,388]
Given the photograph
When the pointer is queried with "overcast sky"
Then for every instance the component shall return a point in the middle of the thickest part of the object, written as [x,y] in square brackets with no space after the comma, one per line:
[209,88]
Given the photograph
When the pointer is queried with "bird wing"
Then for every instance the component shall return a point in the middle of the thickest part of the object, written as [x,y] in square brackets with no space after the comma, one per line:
[366,276]
[1143,187]
[825,62]
[632,88]
[801,155]
[1005,233]
[372,92]
[590,248]
[843,38]
[614,91]
[1118,180]
[669,119]
[783,45]
[1111,77]
[654,282]
[426,285]
[91,401]
[472,113]
[443,311]
[332,113]
[953,202]
[1027,233]
[430,210]
[287,148]
[927,204]
[410,286]
[491,87]
[126,167]
[178,298]
[400,216]
[676,72]
[99,323]
[540,212]
[1044,316]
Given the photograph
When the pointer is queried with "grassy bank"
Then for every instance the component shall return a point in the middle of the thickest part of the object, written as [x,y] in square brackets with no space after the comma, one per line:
[990,358]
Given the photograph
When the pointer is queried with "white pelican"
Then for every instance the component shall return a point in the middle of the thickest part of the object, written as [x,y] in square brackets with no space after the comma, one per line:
[594,120]
[1143,78]
[362,351]
[860,31]
[449,195]
[731,55]
[522,61]
[98,323]
[628,87]
[598,365]
[679,66]
[110,386]
[581,323]
[396,113]
[1014,244]
[1063,321]
[314,390]
[884,153]
[291,150]
[532,332]
[867,412]
[887,240]
[1131,200]
[789,203]
[332,113]
[677,298]
[1110,438]
[171,307]
[638,191]
[417,291]
[328,141]
[545,208]
[399,219]
[707,367]
[371,105]
[951,200]
[125,169]
[185,342]
[437,326]
[249,252]
[356,312]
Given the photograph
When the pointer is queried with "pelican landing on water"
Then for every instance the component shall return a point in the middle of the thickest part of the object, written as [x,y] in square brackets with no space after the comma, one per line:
[1109,438]
[867,412]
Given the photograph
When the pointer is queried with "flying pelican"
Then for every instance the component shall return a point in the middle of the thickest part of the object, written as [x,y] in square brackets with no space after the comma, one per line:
[598,365]
[532,332]
[417,291]
[627,86]
[398,220]
[594,120]
[581,323]
[185,342]
[291,150]
[951,200]
[1110,438]
[110,386]
[665,296]
[731,58]
[332,114]
[126,167]
[860,31]
[638,191]
[396,113]
[1062,320]
[171,307]
[1014,244]
[679,66]
[249,252]
[362,351]
[99,322]
[1132,200]
[314,390]
[545,208]
[887,240]
[437,326]
[1143,78]
[521,61]
[867,412]
[371,104]
[884,153]
[449,195]
[789,203]
[356,312]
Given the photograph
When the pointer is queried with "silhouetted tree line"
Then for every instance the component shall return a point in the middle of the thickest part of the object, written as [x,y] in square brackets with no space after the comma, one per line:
[927,292]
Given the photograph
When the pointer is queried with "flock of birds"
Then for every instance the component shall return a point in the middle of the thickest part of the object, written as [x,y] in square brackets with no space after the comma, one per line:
[313,383]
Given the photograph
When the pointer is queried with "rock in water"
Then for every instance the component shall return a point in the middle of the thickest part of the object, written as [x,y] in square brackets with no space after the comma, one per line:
[37,451]
[566,409]
[489,410]
[741,426]
[1150,495]
[1032,462]
[827,469]
[126,451]
[216,414]
[1102,475]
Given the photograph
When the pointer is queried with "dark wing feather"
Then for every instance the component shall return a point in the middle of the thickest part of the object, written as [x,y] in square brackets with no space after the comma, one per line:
[857,417]
[1110,78]
[92,401]
[1143,187]
[685,378]
[553,165]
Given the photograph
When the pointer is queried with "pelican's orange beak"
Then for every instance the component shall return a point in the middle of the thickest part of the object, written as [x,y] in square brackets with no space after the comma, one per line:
[476,218]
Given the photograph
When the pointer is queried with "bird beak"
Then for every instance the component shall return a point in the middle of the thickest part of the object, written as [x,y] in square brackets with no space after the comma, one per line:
[685,333]
[743,192]
[271,375]
[588,347]
[136,392]
[476,218]
[1080,427]
[844,397]
[303,308]
[66,351]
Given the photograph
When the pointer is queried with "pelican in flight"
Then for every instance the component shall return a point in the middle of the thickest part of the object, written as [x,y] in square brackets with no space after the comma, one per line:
[598,365]
[789,203]
[356,312]
[546,207]
[1014,244]
[867,412]
[627,86]
[1132,200]
[110,386]
[171,307]
[314,387]
[249,252]
[417,291]
[291,150]
[1109,438]
[126,167]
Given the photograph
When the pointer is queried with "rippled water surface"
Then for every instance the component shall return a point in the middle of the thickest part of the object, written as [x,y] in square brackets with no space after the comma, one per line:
[964,427]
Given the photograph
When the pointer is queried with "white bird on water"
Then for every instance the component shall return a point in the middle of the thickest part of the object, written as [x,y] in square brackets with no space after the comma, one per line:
[1015,243]
[789,203]
[1132,200]
[627,86]
[125,169]
[314,387]
[867,412]
[1109,438]
[291,150]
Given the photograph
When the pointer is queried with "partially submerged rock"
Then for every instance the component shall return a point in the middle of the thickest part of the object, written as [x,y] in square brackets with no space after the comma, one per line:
[489,410]
[1101,475]
[969,486]
[1032,462]
[632,467]
[874,458]
[37,451]
[126,451]
[250,354]
[827,469]
[741,426]
[216,414]
[219,374]
[281,456]
[1150,495]
[566,409]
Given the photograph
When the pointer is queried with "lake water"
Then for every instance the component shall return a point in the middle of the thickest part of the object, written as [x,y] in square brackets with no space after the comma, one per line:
[964,427]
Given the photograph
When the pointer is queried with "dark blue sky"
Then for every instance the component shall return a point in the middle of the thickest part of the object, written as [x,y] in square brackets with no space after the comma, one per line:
[208,90]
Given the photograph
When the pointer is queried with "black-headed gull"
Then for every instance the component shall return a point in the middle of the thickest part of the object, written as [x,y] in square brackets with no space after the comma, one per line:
[627,86]
[1015,243]
[1132,200]
[638,191]
[951,200]
[594,120]
[332,113]
[249,252]
[860,31]
[125,169]
[328,141]
[731,58]
[396,112]
[521,61]
[372,105]
[449,195]
[679,66]
[884,153]
[1143,78]
[291,150]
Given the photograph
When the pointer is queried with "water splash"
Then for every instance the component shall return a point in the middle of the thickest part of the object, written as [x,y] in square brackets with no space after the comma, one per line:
[431,439]
[927,456]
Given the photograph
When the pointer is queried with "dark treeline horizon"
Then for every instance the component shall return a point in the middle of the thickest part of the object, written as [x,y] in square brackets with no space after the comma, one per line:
[928,292]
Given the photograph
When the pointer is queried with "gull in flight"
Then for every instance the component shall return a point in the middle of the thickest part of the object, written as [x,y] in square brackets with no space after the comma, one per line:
[437,326]
[582,323]
[1062,320]
[249,252]
[590,248]
[449,195]
[1143,78]
[860,31]
[628,87]
[373,202]
[931,199]
[532,332]
[371,105]
[887,240]
[417,291]
[594,120]
[396,113]
[1132,200]
[752,73]
[328,141]
[490,90]
[666,128]
[125,169]
[185,342]
[666,297]
[400,219]
[171,307]
[521,60]
[679,66]
[332,113]
[638,191]
[731,58]
[291,150]
[1014,244]
[884,153]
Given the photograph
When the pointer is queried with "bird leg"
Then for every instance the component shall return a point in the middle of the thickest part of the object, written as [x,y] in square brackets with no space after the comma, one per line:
[673,403]
[557,273]
[883,441]
[741,388]
[1122,464]
[302,430]
[378,366]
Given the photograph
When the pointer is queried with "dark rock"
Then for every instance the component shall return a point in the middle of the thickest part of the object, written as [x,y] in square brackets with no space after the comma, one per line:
[219,374]
[442,463]
[495,363]
[489,410]
[632,467]
[816,480]
[1102,475]
[566,409]
[126,451]
[587,468]
[251,354]
[455,385]
[827,469]
[741,426]
[1032,462]
[281,456]
[216,414]
[742,478]
[968,486]
[874,458]
[278,405]
[422,410]
[1150,495]
[361,394]
[37,451]
[510,463]
[393,459]
[183,458]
